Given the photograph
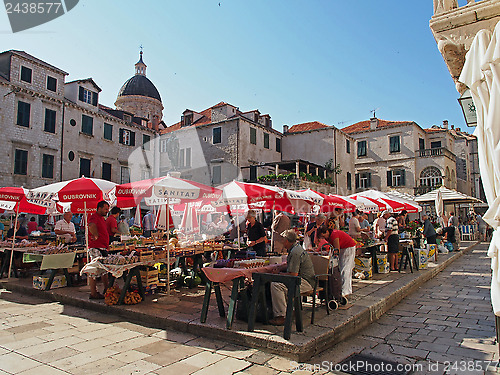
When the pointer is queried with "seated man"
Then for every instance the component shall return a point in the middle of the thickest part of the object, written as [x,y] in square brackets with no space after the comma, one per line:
[21,232]
[449,235]
[298,264]
[65,228]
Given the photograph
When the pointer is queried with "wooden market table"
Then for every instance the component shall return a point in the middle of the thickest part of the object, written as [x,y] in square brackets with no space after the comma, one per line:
[217,276]
[48,262]
[117,271]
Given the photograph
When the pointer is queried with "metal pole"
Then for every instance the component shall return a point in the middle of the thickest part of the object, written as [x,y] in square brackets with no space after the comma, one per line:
[168,247]
[13,241]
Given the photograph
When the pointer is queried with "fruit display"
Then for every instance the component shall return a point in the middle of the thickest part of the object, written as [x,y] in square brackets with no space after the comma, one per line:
[59,249]
[112,295]
[118,259]
[23,243]
[132,298]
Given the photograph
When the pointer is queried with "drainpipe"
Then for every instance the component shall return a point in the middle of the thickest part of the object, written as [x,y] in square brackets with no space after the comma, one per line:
[62,143]
[237,149]
[335,158]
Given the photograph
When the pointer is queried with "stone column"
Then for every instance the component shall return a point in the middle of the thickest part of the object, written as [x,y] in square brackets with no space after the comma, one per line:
[297,169]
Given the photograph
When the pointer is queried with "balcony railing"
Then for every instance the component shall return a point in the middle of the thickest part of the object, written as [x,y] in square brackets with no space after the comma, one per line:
[434,152]
[419,190]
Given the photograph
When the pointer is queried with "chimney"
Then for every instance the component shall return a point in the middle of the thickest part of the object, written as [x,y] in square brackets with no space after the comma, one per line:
[373,123]
[445,124]
[285,129]
[452,127]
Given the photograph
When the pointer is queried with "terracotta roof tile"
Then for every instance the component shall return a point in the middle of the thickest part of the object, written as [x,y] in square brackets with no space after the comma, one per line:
[306,126]
[365,125]
[433,130]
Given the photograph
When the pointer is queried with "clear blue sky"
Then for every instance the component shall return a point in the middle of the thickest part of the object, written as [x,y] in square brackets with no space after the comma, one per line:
[298,60]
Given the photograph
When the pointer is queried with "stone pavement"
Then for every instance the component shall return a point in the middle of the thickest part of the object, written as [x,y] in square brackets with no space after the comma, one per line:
[448,319]
[370,300]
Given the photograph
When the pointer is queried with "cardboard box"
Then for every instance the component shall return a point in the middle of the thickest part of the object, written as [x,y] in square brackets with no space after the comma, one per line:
[422,258]
[432,249]
[40,282]
[382,263]
[364,266]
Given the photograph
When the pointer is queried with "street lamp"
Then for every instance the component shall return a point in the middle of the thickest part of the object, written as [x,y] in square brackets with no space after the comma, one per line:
[468,108]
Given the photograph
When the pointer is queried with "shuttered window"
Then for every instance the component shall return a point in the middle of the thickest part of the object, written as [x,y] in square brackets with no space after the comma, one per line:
[21,162]
[23,113]
[50,121]
[87,125]
[47,166]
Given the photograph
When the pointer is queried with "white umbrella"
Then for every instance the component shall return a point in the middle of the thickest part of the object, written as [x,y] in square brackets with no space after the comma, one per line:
[481,74]
[449,196]
[439,203]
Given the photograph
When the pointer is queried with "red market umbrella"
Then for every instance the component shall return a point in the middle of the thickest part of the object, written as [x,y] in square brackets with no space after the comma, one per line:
[189,223]
[291,201]
[165,191]
[161,218]
[238,193]
[156,191]
[83,193]
[14,199]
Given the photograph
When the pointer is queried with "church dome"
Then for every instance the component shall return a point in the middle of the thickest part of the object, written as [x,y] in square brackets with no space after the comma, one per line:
[139,85]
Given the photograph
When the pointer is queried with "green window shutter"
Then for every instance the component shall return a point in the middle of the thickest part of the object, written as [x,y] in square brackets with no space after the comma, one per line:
[369,180]
[403,177]
[120,138]
[132,138]
[94,99]
[80,93]
[389,178]
[356,178]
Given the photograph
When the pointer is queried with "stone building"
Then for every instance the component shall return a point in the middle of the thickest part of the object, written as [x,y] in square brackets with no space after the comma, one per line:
[454,27]
[56,131]
[323,145]
[403,156]
[220,144]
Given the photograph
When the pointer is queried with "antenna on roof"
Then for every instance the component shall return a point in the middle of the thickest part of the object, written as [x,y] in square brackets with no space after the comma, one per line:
[342,122]
[374,112]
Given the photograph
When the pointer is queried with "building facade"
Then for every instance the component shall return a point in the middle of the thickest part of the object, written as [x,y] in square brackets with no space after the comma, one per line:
[403,156]
[56,131]
[220,144]
[323,145]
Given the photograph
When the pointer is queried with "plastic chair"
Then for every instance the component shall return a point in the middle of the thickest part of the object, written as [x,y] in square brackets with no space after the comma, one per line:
[466,232]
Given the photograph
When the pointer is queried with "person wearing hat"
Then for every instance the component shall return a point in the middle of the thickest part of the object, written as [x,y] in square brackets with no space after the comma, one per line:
[449,235]
[298,264]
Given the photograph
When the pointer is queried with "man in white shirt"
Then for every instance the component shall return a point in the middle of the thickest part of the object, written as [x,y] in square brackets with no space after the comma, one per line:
[65,228]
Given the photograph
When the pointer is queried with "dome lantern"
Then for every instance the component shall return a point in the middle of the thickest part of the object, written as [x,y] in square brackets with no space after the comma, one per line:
[140,67]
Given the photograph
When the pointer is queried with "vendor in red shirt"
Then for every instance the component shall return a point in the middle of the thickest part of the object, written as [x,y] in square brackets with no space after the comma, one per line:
[112,224]
[98,245]
[347,246]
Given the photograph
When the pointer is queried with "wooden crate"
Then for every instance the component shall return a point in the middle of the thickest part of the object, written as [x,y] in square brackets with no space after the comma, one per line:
[146,256]
[160,254]
[149,277]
